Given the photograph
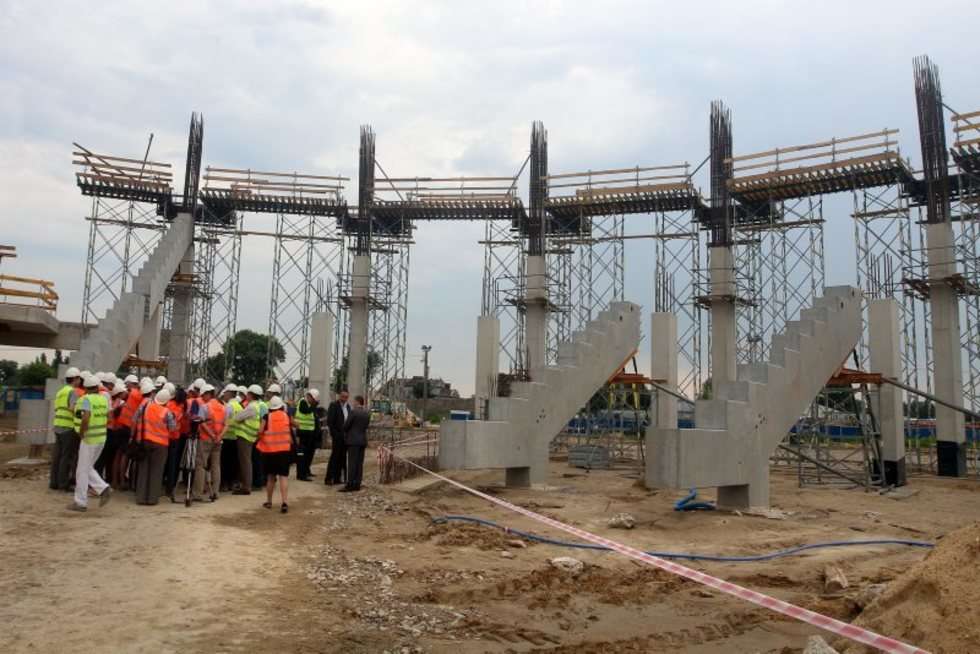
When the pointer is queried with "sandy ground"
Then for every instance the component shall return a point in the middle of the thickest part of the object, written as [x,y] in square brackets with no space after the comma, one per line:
[369,572]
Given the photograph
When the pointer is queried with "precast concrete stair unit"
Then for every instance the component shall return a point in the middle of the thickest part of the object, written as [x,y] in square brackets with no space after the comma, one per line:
[737,430]
[519,428]
[106,346]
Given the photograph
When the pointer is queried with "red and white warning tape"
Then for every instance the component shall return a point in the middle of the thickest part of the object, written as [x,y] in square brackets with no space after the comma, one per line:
[852,632]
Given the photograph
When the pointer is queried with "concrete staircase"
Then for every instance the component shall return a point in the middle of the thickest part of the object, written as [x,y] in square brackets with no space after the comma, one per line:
[737,429]
[519,428]
[105,347]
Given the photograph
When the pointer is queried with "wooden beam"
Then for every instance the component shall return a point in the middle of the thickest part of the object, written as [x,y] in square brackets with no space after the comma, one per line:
[614,171]
[972,114]
[145,171]
[82,153]
[813,146]
[739,182]
[444,179]
[819,155]
[271,174]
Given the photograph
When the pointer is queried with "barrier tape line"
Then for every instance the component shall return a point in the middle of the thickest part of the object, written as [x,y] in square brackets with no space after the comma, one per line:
[849,631]
[32,430]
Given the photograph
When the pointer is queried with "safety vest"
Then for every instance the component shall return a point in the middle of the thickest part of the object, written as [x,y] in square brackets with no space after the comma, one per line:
[133,401]
[97,419]
[178,412]
[216,411]
[63,417]
[113,418]
[304,419]
[277,436]
[249,430]
[234,428]
[155,424]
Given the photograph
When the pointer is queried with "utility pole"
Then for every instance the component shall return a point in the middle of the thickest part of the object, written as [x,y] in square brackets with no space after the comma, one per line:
[425,380]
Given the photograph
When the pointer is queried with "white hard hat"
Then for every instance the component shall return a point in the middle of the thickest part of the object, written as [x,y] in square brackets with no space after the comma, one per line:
[170,388]
[242,390]
[101,376]
[118,388]
[314,393]
[275,403]
[91,381]
[85,373]
[254,389]
[160,380]
[207,388]
[111,377]
[162,397]
[131,379]
[199,383]
[274,388]
[72,372]
[146,387]
[229,388]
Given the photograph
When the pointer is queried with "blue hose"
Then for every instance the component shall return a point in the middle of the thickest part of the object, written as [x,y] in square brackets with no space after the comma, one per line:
[687,503]
[680,555]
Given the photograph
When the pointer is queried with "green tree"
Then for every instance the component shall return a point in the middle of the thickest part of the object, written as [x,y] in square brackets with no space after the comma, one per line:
[8,372]
[250,357]
[340,374]
[35,373]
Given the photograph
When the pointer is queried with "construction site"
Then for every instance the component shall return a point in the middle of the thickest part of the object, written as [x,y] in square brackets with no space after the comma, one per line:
[794,469]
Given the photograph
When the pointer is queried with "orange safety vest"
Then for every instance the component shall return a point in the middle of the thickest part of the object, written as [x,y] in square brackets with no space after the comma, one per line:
[133,402]
[79,391]
[178,412]
[216,412]
[155,424]
[277,437]
[113,422]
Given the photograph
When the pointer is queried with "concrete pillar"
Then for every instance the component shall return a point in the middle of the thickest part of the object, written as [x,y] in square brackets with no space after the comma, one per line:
[944,310]
[321,352]
[722,315]
[536,318]
[180,329]
[885,347]
[487,363]
[148,347]
[663,365]
[357,352]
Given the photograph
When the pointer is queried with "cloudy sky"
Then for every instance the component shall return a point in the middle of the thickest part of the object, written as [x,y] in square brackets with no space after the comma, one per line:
[450,88]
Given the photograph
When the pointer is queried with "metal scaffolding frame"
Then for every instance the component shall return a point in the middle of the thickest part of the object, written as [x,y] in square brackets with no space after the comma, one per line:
[214,320]
[503,288]
[308,250]
[967,228]
[388,326]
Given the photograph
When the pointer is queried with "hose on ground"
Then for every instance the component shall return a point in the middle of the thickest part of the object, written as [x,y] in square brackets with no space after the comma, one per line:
[683,555]
[687,503]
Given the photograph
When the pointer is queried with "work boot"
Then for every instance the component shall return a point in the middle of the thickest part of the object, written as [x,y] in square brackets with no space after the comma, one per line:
[105,496]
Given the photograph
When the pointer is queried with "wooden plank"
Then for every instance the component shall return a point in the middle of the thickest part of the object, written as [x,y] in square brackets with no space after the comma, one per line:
[271,174]
[386,180]
[813,146]
[737,182]
[960,144]
[79,153]
[972,114]
[614,171]
[967,127]
[266,182]
[145,171]
[131,181]
[679,179]
[818,155]
[27,280]
[623,190]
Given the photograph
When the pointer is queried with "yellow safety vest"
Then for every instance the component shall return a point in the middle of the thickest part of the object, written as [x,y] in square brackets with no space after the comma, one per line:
[98,418]
[63,417]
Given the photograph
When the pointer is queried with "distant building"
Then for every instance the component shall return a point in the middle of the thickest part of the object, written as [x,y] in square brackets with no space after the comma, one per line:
[411,387]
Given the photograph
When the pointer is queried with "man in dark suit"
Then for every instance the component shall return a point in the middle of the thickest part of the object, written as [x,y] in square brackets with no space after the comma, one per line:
[355,436]
[337,414]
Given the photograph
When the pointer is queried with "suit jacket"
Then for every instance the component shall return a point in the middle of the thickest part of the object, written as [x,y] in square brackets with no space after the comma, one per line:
[355,430]
[335,419]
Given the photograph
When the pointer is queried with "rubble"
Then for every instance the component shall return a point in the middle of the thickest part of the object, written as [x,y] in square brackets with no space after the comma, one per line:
[567,564]
[622,521]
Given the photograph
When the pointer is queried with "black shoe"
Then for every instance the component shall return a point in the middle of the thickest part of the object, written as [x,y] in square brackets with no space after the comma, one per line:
[284,508]
[328,482]
[241,491]
[345,490]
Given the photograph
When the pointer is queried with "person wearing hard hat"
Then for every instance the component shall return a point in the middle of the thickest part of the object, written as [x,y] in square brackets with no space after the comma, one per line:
[91,418]
[177,404]
[275,445]
[65,449]
[124,426]
[306,433]
[273,391]
[160,382]
[229,448]
[247,418]
[116,402]
[210,419]
[154,424]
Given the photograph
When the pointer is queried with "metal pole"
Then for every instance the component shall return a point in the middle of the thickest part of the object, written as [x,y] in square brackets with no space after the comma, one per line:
[425,380]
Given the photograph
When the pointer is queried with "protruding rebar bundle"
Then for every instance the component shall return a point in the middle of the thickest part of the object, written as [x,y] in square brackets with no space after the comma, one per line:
[192,172]
[932,136]
[721,172]
[365,191]
[538,189]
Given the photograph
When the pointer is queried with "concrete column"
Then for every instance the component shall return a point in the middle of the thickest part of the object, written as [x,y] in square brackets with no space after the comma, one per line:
[148,347]
[357,352]
[536,318]
[722,315]
[663,365]
[321,352]
[944,309]
[885,348]
[180,329]
[487,363]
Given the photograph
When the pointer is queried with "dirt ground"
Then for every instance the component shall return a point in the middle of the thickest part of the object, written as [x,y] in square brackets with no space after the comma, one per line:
[370,572]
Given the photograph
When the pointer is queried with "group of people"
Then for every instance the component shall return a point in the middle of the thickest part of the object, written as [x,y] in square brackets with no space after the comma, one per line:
[144,435]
